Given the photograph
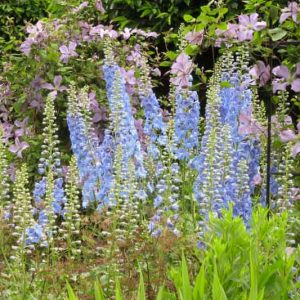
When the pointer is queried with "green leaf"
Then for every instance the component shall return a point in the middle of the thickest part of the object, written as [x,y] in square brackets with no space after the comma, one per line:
[71,294]
[118,291]
[160,293]
[189,18]
[199,288]
[226,84]
[165,64]
[186,286]
[253,274]
[277,34]
[141,290]
[99,295]
[217,288]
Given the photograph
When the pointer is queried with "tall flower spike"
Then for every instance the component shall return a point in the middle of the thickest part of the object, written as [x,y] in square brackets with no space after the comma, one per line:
[4,179]
[71,225]
[50,161]
[122,121]
[154,128]
[84,144]
[25,229]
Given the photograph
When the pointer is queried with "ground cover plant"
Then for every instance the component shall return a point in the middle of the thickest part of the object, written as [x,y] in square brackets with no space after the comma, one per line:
[130,172]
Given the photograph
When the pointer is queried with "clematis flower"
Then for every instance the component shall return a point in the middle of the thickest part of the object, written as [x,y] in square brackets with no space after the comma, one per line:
[289,135]
[100,113]
[261,71]
[292,10]
[26,46]
[248,25]
[195,37]
[18,147]
[55,87]
[248,125]
[285,79]
[224,35]
[22,127]
[181,68]
[99,6]
[67,52]
[37,102]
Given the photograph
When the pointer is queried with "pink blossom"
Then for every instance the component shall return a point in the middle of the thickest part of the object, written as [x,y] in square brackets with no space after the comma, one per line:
[26,46]
[248,25]
[55,87]
[126,33]
[296,149]
[100,114]
[226,35]
[135,55]
[37,102]
[22,127]
[287,135]
[261,71]
[18,147]
[181,68]
[248,125]
[195,37]
[67,52]
[285,79]
[257,180]
[80,7]
[292,10]
[99,6]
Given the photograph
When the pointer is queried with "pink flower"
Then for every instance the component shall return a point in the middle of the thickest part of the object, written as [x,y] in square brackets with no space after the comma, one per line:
[126,33]
[285,79]
[37,102]
[261,71]
[67,52]
[26,46]
[194,37]
[55,87]
[257,180]
[248,25]
[292,10]
[248,125]
[226,35]
[99,6]
[296,149]
[22,127]
[100,114]
[80,7]
[289,135]
[181,68]
[18,147]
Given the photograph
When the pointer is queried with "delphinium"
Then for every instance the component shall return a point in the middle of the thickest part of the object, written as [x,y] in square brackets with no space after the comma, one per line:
[4,181]
[70,227]
[22,220]
[93,162]
[206,185]
[228,162]
[48,191]
[284,164]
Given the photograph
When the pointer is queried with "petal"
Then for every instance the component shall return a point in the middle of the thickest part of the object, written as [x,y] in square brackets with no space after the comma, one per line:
[47,86]
[284,16]
[298,69]
[244,20]
[296,149]
[64,49]
[296,85]
[287,135]
[253,18]
[278,86]
[57,81]
[281,71]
